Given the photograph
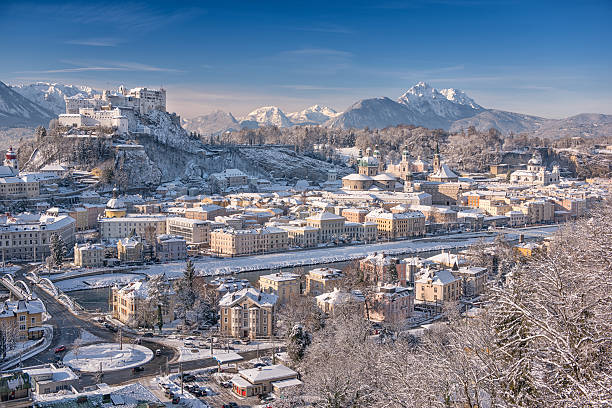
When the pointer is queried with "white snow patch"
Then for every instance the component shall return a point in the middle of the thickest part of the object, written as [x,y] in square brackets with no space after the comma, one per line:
[108,356]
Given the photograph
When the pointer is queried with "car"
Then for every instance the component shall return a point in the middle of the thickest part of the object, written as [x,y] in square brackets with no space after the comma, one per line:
[259,365]
[188,377]
[137,369]
[197,392]
[233,404]
[169,394]
[158,352]
[148,334]
[176,399]
[226,384]
[189,344]
[267,398]
[59,349]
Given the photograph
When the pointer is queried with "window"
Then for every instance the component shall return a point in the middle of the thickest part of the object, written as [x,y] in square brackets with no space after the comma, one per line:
[22,318]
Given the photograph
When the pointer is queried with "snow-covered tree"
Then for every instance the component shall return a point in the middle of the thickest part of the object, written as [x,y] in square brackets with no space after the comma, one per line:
[58,249]
[297,341]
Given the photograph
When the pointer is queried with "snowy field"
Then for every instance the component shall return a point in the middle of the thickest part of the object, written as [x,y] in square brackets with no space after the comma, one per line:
[107,356]
[97,281]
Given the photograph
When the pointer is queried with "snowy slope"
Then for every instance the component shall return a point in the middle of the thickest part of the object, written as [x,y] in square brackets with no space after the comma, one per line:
[212,124]
[503,121]
[315,114]
[51,95]
[269,116]
[18,111]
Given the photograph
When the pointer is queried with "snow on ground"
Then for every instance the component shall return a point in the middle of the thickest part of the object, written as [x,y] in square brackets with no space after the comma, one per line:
[19,348]
[86,337]
[97,281]
[10,269]
[216,266]
[112,358]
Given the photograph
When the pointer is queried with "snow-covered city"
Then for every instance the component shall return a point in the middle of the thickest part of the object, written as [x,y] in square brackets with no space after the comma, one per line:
[198,210]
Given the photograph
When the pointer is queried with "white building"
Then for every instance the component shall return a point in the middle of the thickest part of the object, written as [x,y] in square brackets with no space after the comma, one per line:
[88,255]
[89,117]
[26,236]
[536,173]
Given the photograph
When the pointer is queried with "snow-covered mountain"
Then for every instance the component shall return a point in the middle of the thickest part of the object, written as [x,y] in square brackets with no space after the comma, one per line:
[314,115]
[212,124]
[18,111]
[421,105]
[51,95]
[269,116]
[448,103]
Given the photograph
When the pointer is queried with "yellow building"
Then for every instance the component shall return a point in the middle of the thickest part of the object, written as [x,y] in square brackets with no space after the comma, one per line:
[331,226]
[130,303]
[322,280]
[437,286]
[88,255]
[282,284]
[25,316]
[247,313]
[248,242]
[130,249]
[115,207]
[391,226]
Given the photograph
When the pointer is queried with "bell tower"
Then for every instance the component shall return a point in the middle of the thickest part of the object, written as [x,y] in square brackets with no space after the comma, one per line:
[10,160]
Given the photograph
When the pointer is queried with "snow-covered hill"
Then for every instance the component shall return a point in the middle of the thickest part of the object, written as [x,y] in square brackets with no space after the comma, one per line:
[450,104]
[212,124]
[269,116]
[314,115]
[18,111]
[51,95]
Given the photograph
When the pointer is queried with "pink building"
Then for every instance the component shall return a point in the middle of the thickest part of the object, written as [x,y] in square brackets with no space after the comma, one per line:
[391,304]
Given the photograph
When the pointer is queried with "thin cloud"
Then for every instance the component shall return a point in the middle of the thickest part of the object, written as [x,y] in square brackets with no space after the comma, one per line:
[96,42]
[333,29]
[318,52]
[119,66]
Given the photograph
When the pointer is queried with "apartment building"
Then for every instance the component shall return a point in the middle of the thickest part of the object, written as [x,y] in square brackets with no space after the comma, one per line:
[392,226]
[282,284]
[25,316]
[247,313]
[147,226]
[355,214]
[391,304]
[248,242]
[196,232]
[473,280]
[437,286]
[331,226]
[130,303]
[170,248]
[301,236]
[26,236]
[322,280]
[88,255]
[330,301]
[130,249]
[206,212]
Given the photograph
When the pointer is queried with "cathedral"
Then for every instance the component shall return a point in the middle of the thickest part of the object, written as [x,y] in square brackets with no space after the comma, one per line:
[536,173]
[371,175]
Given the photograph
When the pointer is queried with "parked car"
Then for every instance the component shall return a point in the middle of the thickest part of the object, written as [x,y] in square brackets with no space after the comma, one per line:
[169,394]
[61,348]
[266,399]
[188,377]
[137,369]
[226,384]
[176,399]
[258,365]
[148,334]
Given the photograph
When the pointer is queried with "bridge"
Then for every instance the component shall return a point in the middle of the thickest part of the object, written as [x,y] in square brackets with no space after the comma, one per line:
[19,289]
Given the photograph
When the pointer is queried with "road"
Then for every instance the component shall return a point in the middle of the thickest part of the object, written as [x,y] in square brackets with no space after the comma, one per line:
[67,328]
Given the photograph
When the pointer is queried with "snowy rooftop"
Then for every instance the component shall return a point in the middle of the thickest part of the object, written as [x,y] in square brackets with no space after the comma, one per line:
[267,373]
[259,298]
[281,276]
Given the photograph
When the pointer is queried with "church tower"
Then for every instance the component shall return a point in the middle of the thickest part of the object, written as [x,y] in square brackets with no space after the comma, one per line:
[436,159]
[10,160]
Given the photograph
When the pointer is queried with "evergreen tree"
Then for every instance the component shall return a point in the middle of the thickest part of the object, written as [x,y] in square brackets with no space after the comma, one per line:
[297,342]
[58,249]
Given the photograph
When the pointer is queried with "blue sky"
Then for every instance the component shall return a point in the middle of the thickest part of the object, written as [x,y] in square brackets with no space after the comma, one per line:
[546,58]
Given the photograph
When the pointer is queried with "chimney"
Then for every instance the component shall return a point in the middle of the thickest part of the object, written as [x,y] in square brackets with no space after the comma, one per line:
[521,238]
